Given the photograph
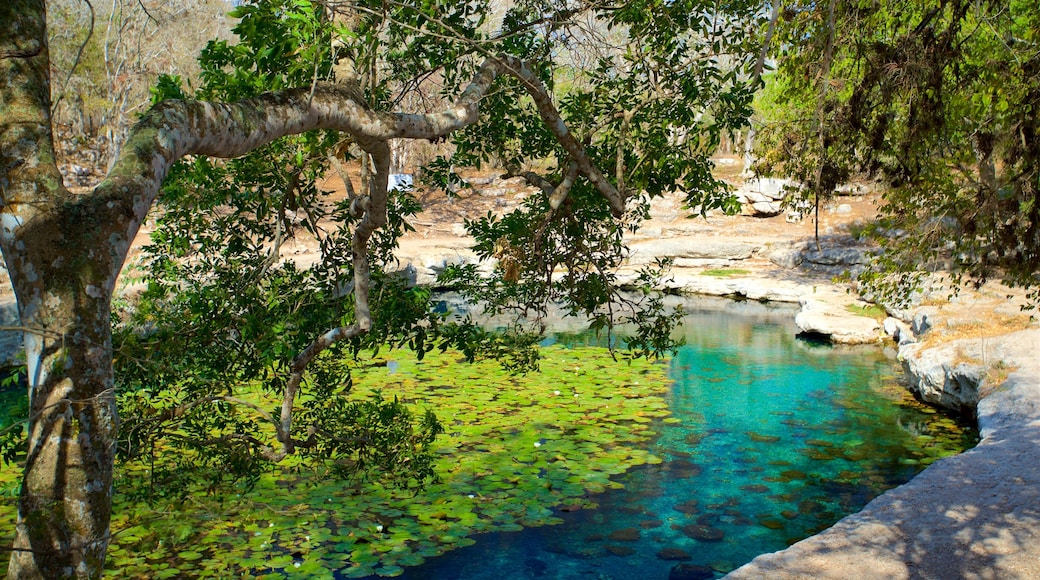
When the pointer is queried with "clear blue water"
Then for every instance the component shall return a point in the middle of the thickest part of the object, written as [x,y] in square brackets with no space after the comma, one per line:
[779,438]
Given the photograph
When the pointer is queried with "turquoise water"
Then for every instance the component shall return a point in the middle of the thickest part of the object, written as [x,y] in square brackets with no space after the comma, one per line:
[778,438]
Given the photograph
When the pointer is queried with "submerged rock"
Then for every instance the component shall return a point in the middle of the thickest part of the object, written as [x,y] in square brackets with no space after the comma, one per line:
[621,551]
[673,554]
[760,438]
[625,535]
[690,572]
[688,507]
[772,523]
[703,533]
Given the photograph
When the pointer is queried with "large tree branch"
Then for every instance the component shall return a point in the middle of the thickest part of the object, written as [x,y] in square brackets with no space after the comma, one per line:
[373,218]
[175,128]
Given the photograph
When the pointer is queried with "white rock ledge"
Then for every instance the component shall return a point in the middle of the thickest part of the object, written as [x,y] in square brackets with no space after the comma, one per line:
[975,515]
[842,326]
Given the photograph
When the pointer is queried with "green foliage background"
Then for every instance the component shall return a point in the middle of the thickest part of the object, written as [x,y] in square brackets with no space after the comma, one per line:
[936,99]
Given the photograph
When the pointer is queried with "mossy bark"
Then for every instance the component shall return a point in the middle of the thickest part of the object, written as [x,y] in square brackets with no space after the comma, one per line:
[63,301]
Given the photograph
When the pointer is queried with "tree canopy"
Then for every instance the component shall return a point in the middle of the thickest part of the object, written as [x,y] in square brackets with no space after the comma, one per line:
[615,104]
[938,101]
[239,357]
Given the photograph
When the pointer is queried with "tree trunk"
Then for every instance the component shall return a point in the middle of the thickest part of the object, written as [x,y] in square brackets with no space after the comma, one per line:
[66,497]
[63,292]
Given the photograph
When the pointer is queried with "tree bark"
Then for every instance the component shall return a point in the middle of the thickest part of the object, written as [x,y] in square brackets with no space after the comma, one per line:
[63,301]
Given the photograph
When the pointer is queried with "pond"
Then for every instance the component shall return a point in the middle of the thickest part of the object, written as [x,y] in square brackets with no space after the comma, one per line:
[777,438]
[747,440]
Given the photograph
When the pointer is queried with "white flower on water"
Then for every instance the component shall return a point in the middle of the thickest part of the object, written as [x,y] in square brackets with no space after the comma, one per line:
[537,443]
[379,527]
[557,393]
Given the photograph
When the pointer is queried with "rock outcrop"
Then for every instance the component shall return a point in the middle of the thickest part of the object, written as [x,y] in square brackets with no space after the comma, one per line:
[835,255]
[836,323]
[763,197]
[949,375]
[645,252]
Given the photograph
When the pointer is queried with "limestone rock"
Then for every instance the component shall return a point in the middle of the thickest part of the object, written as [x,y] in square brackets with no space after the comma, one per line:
[766,188]
[922,321]
[766,208]
[948,375]
[423,269]
[899,331]
[646,252]
[840,326]
[843,257]
[785,255]
[752,288]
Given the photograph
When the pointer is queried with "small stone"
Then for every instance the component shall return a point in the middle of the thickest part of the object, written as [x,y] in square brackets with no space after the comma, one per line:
[621,551]
[809,507]
[650,524]
[790,474]
[624,535]
[772,523]
[754,488]
[673,554]
[703,533]
[688,507]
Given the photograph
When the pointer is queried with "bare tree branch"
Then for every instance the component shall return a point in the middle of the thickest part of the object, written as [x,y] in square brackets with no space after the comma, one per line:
[547,111]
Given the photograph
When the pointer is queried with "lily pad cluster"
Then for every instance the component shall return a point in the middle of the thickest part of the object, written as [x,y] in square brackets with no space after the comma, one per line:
[516,451]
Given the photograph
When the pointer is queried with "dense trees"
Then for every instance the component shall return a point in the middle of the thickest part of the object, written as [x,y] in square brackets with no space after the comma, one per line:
[938,100]
[639,118]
